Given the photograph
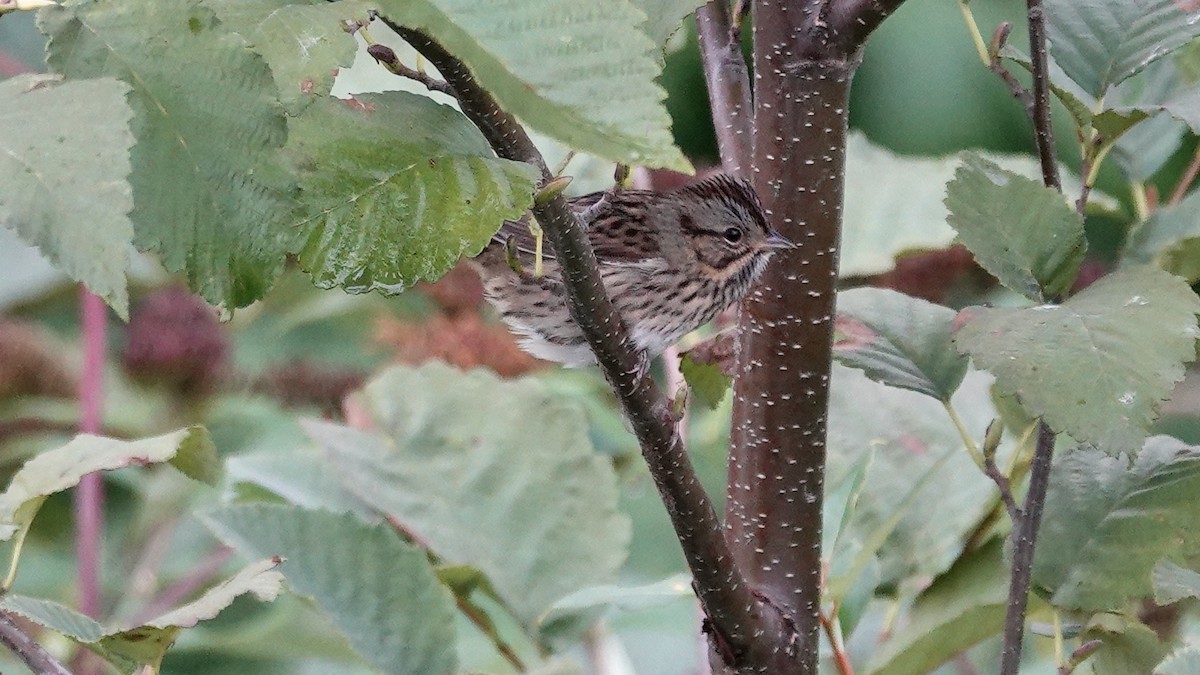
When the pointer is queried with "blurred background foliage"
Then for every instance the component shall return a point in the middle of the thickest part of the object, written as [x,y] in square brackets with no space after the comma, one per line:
[920,91]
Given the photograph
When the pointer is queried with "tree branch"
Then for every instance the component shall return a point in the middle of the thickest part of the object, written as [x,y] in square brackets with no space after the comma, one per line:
[728,85]
[1026,529]
[853,21]
[1042,128]
[33,654]
[735,614]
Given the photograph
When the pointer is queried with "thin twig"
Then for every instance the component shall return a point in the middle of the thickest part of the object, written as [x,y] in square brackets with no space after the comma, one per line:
[485,625]
[736,614]
[1185,181]
[840,658]
[728,82]
[1043,129]
[1002,483]
[24,646]
[1025,530]
[1018,90]
[1025,533]
[386,57]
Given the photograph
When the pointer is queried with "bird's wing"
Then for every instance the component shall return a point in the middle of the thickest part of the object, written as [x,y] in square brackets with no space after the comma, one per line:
[610,241]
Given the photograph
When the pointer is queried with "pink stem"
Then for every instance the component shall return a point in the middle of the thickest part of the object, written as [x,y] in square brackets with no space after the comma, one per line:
[89,497]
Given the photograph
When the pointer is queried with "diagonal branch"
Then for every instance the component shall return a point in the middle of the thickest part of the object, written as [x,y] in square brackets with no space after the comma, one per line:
[1026,529]
[33,654]
[853,21]
[734,613]
[728,86]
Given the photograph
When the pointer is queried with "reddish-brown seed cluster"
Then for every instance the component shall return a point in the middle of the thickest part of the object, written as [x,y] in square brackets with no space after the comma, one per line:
[31,362]
[174,338]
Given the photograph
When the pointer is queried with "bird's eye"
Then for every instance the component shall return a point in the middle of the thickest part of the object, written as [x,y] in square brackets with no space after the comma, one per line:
[732,235]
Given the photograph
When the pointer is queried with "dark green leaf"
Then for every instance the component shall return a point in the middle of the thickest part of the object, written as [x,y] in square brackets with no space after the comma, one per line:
[707,382]
[206,116]
[1170,239]
[392,608]
[65,187]
[1111,519]
[1097,366]
[898,340]
[1022,232]
[1100,43]
[395,188]
[513,489]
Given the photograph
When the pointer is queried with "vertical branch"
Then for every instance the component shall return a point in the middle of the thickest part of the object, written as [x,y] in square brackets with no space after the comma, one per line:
[1025,530]
[1042,129]
[781,391]
[728,85]
[89,496]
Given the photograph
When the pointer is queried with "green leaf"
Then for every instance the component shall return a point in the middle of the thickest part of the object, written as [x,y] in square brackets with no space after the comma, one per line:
[706,381]
[899,341]
[1182,661]
[895,203]
[1170,239]
[1096,366]
[663,17]
[1129,646]
[392,608]
[583,74]
[395,189]
[961,608]
[1019,230]
[65,187]
[190,450]
[623,598]
[513,489]
[1173,583]
[146,644]
[1111,520]
[918,467]
[206,115]
[300,477]
[1100,43]
[304,42]
[1144,149]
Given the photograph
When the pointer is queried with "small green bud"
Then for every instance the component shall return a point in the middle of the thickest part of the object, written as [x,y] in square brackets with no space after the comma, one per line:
[550,190]
[991,438]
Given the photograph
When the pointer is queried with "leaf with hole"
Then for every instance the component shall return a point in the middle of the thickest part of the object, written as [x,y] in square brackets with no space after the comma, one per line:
[305,43]
[1022,232]
[898,340]
[395,188]
[65,187]
[1097,366]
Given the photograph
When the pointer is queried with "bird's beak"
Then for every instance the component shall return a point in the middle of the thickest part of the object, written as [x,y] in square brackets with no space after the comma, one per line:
[776,240]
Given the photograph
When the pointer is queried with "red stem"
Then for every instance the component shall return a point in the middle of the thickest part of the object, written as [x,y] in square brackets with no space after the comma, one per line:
[89,496]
